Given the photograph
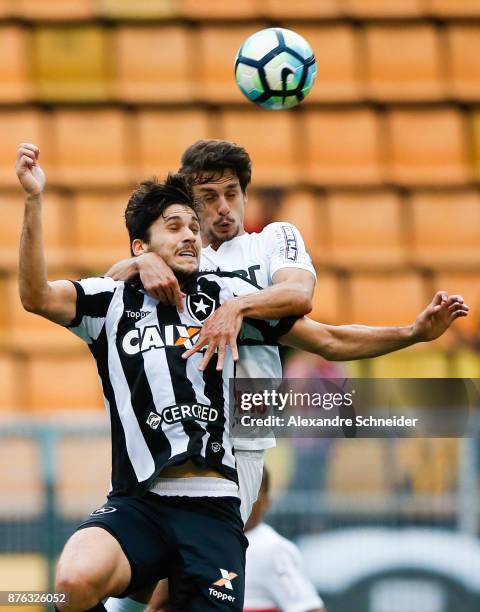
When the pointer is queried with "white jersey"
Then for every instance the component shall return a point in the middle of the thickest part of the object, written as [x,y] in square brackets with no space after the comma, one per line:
[257,257]
[275,579]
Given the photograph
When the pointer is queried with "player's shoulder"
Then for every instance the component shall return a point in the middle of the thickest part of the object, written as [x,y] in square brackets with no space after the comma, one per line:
[278,227]
[99,284]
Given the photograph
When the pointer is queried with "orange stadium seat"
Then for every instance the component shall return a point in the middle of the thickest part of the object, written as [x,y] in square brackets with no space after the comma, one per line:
[328,306]
[142,74]
[21,484]
[458,8]
[464,45]
[301,9]
[212,9]
[382,8]
[475,126]
[214,76]
[307,212]
[273,158]
[387,298]
[70,63]
[335,48]
[6,8]
[140,9]
[164,135]
[63,382]
[91,148]
[403,63]
[15,85]
[445,229]
[93,213]
[366,230]
[54,9]
[17,126]
[11,213]
[9,378]
[342,147]
[468,285]
[427,147]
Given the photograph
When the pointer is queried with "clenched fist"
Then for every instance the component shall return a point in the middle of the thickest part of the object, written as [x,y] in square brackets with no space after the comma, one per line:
[29,172]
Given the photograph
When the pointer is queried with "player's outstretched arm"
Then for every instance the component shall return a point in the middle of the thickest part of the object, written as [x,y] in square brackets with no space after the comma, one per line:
[54,300]
[349,342]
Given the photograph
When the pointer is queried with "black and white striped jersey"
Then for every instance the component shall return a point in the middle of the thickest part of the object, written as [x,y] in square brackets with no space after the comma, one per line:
[163,411]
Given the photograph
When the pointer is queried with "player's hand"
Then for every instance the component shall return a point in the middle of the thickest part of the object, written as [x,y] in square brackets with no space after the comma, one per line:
[159,280]
[438,316]
[29,172]
[219,331]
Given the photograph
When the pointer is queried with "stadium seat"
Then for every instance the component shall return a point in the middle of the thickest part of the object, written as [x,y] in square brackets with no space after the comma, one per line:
[301,9]
[214,77]
[382,8]
[140,9]
[83,476]
[164,135]
[358,466]
[366,230]
[387,299]
[271,143]
[427,147]
[307,212]
[15,85]
[142,74]
[8,376]
[475,129]
[54,10]
[468,285]
[63,382]
[464,46]
[403,63]
[447,8]
[100,154]
[335,48]
[342,147]
[17,126]
[328,306]
[411,363]
[21,485]
[445,229]
[70,63]
[465,363]
[212,9]
[23,571]
[94,212]
[6,8]
[11,213]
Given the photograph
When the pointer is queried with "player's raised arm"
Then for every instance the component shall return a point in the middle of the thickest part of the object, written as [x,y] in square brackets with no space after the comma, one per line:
[53,300]
[349,342]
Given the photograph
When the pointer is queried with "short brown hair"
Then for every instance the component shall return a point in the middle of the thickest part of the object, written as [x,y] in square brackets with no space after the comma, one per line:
[212,157]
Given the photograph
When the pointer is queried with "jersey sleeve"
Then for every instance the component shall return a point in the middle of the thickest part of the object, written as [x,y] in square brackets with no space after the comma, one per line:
[257,331]
[285,248]
[288,586]
[94,296]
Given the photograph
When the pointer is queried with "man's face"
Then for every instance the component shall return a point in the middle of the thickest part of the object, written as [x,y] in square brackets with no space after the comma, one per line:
[222,208]
[175,236]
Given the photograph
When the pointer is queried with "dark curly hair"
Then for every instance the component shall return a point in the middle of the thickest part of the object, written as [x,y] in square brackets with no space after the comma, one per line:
[150,199]
[209,158]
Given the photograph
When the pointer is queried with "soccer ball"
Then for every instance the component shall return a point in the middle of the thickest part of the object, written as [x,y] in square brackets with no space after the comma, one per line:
[275,68]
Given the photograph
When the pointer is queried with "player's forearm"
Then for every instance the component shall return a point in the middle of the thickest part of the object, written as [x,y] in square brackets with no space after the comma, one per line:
[33,283]
[124,270]
[281,300]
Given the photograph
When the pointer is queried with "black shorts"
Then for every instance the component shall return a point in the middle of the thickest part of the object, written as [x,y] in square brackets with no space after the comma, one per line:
[197,543]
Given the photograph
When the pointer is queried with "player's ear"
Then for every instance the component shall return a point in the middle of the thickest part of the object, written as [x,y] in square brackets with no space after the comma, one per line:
[139,247]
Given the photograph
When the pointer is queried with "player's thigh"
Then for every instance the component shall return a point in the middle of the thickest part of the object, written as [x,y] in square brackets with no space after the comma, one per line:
[92,556]
[159,600]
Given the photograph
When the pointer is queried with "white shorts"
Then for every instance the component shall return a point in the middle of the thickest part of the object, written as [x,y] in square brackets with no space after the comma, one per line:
[250,473]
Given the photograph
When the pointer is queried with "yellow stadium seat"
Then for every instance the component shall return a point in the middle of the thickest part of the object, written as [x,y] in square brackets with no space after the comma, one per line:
[468,285]
[465,364]
[464,45]
[54,10]
[427,147]
[70,63]
[307,212]
[458,8]
[212,9]
[91,148]
[366,229]
[342,147]
[387,298]
[62,382]
[9,377]
[142,72]
[164,135]
[83,476]
[445,229]
[335,48]
[382,8]
[301,9]
[327,303]
[15,85]
[415,362]
[23,571]
[214,76]
[94,212]
[403,63]
[273,158]
[17,126]
[21,484]
[140,9]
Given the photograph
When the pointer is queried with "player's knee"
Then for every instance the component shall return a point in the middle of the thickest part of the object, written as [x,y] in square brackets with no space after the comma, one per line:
[80,587]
